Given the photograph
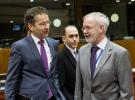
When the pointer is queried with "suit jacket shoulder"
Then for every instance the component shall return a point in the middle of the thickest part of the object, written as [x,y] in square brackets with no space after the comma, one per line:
[53,42]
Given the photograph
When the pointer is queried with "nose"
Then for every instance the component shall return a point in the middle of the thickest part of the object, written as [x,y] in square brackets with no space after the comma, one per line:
[84,30]
[74,38]
[46,26]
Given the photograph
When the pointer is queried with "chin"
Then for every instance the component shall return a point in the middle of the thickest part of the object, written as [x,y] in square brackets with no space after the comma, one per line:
[45,35]
[74,47]
[88,40]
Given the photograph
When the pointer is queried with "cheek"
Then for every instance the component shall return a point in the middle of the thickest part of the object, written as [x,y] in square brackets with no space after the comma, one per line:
[40,29]
[77,40]
[69,41]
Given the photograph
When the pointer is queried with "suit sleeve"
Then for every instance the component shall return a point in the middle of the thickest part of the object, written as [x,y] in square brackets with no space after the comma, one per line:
[125,79]
[61,72]
[78,84]
[56,45]
[13,74]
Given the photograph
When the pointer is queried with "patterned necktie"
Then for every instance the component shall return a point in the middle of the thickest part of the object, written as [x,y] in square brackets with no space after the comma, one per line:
[45,62]
[93,59]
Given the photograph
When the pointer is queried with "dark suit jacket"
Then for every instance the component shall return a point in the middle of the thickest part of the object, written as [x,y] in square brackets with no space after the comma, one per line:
[67,72]
[26,74]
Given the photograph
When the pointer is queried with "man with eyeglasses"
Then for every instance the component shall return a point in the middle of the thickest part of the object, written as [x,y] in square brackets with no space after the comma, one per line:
[67,60]
[104,68]
[32,71]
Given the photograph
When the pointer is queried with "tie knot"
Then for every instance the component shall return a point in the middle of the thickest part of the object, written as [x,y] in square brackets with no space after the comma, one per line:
[75,52]
[41,42]
[94,49]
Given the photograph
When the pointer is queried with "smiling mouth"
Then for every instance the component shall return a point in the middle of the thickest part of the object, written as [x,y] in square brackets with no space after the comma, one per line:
[87,36]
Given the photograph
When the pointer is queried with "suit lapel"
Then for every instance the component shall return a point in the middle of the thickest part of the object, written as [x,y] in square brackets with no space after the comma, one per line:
[69,55]
[35,52]
[51,47]
[88,60]
[104,57]
[85,59]
[33,47]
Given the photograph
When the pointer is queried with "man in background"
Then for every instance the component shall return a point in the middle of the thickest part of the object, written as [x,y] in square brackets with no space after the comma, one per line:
[32,67]
[67,60]
[104,68]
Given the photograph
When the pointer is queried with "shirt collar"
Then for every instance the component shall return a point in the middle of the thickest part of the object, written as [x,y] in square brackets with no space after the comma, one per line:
[36,40]
[102,44]
[72,50]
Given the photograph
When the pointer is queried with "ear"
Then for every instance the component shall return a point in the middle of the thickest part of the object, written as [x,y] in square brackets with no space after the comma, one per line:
[30,26]
[102,28]
[63,38]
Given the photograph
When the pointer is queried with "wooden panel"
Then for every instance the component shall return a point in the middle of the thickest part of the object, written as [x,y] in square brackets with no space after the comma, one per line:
[2,95]
[4,59]
[130,46]
[134,83]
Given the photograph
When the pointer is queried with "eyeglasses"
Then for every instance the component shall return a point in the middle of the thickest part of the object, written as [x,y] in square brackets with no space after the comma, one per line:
[88,28]
[73,35]
[48,23]
[45,23]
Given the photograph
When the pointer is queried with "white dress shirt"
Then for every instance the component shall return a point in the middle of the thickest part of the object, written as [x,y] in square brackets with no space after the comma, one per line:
[101,45]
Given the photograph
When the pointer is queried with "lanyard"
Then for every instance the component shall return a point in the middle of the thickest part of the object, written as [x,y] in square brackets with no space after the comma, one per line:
[99,56]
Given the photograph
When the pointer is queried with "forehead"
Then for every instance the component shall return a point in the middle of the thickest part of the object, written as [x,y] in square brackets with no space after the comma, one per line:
[88,21]
[41,17]
[71,30]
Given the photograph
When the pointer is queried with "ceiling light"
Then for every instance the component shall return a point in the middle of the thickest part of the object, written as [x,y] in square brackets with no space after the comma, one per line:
[129,2]
[67,4]
[31,0]
[55,0]
[117,1]
[11,21]
[132,0]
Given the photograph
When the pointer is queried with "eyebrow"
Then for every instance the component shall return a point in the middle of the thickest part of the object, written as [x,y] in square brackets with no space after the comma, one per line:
[73,35]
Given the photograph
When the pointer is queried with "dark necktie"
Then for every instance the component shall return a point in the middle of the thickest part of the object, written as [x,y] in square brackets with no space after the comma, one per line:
[45,62]
[93,60]
[75,55]
[43,55]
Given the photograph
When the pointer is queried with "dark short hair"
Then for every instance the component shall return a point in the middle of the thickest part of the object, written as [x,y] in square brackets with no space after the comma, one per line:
[31,13]
[64,30]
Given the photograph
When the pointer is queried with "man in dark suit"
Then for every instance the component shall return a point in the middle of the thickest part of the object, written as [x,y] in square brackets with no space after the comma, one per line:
[67,61]
[104,69]
[32,73]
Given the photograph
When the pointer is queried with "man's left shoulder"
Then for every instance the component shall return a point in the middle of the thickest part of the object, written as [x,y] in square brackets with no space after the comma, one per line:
[52,40]
[118,47]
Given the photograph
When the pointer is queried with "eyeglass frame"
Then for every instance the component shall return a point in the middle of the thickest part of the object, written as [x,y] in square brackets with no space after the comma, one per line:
[88,27]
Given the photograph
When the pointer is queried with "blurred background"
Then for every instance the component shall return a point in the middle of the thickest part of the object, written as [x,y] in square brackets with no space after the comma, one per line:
[64,12]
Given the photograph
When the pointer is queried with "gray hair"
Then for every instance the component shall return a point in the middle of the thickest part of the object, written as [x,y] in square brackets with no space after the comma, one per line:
[100,18]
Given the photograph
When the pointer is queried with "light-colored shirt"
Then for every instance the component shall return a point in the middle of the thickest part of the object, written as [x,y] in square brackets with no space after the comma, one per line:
[72,51]
[36,40]
[101,45]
